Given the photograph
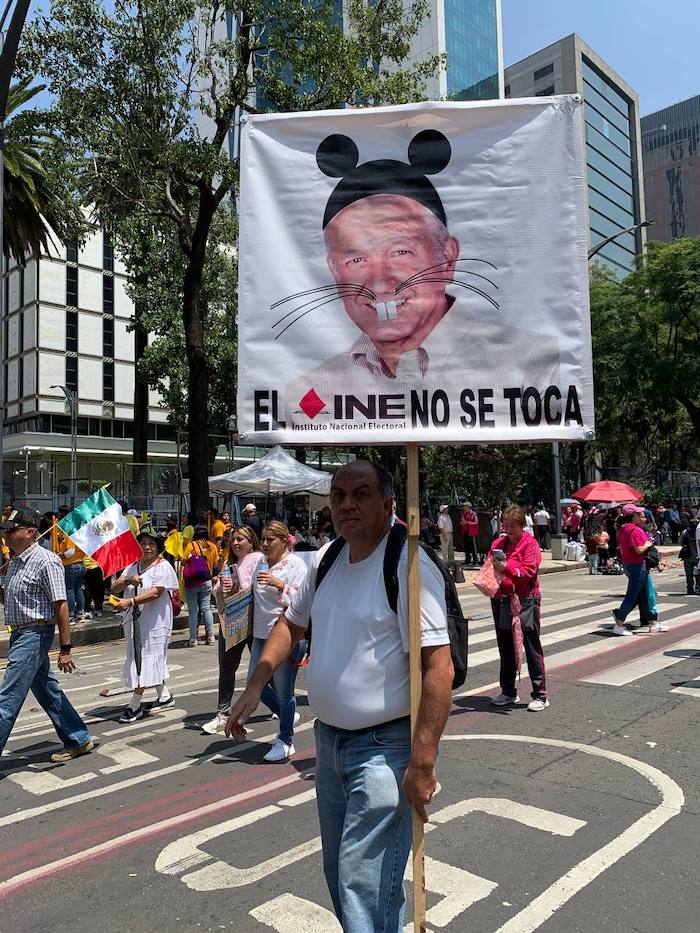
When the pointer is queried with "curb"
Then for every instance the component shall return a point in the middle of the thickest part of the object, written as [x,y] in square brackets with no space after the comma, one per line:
[558,567]
[86,634]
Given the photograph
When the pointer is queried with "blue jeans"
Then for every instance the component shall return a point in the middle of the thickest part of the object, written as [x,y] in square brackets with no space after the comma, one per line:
[28,669]
[365,822]
[75,574]
[280,697]
[636,592]
[199,600]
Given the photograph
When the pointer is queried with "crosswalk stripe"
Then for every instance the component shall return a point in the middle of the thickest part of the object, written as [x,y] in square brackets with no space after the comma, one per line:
[650,664]
[549,621]
[691,688]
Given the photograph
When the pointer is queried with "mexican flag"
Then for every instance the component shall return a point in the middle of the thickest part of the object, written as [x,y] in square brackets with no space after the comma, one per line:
[98,528]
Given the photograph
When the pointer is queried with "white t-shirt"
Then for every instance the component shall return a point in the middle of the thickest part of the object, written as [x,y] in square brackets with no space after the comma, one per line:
[358,673]
[444,523]
[541,517]
[268,602]
[528,524]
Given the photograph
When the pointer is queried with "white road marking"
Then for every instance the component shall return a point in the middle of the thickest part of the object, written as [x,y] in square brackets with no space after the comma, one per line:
[690,689]
[49,869]
[290,914]
[547,821]
[21,816]
[460,889]
[650,664]
[540,910]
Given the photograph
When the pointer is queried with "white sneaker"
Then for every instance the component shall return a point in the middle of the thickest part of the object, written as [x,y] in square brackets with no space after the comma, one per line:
[503,700]
[215,725]
[280,751]
[620,630]
[658,627]
[538,705]
[297,718]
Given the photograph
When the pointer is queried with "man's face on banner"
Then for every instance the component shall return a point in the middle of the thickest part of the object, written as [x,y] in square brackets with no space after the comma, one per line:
[380,242]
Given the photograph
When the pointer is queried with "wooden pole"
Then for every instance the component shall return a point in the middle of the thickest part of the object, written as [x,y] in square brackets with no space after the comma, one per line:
[413,521]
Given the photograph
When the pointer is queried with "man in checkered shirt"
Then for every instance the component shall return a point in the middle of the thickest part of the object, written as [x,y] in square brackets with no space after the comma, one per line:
[34,596]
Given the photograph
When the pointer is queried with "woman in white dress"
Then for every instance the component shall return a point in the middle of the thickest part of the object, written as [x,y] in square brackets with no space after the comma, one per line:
[148,624]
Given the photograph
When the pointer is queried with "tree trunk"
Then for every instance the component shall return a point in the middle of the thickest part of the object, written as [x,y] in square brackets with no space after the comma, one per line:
[194,316]
[300,454]
[139,448]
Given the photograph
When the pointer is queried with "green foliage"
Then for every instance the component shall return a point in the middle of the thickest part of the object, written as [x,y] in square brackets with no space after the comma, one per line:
[39,200]
[646,359]
[146,95]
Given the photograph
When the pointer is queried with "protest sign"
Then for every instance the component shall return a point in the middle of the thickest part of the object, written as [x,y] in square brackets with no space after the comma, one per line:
[236,615]
[415,274]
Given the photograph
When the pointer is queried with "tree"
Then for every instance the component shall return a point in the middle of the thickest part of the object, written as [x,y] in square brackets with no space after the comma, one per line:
[646,340]
[39,203]
[135,85]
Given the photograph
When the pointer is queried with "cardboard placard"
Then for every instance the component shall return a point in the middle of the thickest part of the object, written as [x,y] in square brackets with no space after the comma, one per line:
[236,615]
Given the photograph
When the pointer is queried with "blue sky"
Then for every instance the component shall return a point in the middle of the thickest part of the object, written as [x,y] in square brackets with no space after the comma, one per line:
[653,44]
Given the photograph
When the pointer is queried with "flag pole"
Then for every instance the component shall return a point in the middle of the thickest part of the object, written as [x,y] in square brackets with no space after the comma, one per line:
[413,521]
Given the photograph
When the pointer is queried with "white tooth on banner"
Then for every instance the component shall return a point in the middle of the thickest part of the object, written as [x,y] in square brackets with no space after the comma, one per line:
[381,309]
[391,311]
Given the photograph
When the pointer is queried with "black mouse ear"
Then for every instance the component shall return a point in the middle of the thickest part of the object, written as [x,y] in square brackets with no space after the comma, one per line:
[337,155]
[429,152]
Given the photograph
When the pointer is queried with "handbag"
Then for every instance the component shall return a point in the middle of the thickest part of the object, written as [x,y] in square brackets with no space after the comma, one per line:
[652,558]
[195,570]
[488,579]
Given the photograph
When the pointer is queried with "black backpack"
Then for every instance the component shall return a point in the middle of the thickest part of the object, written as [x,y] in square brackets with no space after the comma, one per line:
[456,623]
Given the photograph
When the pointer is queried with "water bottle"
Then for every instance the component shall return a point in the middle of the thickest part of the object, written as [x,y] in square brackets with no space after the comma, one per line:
[263,566]
[225,578]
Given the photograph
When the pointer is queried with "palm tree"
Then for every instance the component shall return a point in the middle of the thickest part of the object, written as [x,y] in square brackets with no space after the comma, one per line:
[39,209]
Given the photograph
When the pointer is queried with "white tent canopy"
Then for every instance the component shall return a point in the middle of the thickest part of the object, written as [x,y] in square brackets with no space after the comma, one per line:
[277,472]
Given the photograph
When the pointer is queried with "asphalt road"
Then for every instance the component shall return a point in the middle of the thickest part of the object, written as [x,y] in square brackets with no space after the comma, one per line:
[584,817]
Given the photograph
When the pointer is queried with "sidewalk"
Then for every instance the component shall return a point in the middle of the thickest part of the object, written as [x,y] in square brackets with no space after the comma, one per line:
[98,631]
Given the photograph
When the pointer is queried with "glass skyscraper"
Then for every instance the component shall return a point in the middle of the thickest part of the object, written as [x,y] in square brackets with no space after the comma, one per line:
[472,44]
[613,148]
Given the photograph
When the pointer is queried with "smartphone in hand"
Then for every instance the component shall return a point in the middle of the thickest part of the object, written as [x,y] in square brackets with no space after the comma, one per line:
[499,554]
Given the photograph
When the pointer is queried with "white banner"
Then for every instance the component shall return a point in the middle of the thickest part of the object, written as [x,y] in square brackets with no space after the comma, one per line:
[415,273]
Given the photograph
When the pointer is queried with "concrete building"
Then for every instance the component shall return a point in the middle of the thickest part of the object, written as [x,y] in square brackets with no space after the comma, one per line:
[671,147]
[613,139]
[66,324]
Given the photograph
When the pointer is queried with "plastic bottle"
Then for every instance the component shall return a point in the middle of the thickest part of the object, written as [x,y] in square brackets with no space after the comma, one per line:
[263,566]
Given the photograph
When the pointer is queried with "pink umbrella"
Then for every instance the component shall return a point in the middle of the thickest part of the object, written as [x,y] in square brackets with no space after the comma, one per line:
[608,491]
[515,609]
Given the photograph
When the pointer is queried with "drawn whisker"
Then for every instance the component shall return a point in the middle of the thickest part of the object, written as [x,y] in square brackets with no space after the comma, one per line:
[439,268]
[321,288]
[346,293]
[439,265]
[319,302]
[471,288]
[420,277]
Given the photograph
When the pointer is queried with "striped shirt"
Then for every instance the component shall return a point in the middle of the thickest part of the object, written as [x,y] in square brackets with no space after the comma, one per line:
[35,581]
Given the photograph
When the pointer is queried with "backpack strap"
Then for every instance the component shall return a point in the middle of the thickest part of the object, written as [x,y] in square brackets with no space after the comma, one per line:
[328,559]
[394,545]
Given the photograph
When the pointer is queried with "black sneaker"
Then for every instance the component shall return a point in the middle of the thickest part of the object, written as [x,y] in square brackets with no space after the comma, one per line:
[163,704]
[132,715]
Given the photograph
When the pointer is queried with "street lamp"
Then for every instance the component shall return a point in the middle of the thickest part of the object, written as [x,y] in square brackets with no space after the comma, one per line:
[9,42]
[595,249]
[72,399]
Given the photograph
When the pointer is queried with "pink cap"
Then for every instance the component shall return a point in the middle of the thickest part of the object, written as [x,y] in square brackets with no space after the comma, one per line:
[632,509]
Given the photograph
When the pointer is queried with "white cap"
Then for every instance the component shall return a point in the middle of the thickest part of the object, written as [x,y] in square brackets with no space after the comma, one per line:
[249,508]
[133,512]
[467,505]
[443,507]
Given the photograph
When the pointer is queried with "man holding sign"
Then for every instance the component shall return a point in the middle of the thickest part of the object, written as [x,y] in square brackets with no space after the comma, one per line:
[367,775]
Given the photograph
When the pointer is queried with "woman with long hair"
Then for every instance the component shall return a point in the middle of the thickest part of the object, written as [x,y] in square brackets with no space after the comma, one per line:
[240,563]
[148,624]
[198,591]
[517,556]
[273,588]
